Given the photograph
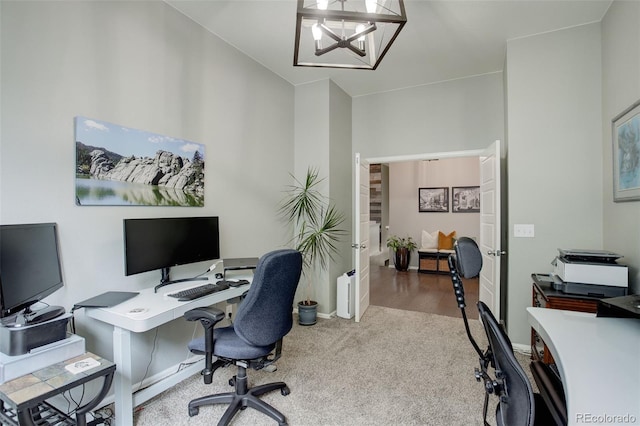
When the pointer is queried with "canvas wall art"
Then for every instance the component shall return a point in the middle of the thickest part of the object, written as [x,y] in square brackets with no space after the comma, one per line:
[117,165]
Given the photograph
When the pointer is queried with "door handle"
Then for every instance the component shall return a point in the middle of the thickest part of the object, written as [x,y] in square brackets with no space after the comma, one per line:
[496,253]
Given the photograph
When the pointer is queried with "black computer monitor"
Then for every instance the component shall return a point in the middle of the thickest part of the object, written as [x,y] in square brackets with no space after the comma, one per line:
[160,243]
[30,267]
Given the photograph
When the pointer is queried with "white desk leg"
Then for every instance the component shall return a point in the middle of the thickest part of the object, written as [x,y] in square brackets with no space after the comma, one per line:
[122,380]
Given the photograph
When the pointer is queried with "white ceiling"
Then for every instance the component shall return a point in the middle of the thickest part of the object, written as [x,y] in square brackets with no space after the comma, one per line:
[442,40]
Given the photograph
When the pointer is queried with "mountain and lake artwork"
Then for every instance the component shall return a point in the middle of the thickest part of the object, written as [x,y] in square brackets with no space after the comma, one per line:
[117,165]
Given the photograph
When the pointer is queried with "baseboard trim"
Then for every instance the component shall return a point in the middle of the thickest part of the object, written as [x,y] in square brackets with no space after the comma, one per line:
[320,314]
[159,382]
[411,268]
[522,348]
[327,316]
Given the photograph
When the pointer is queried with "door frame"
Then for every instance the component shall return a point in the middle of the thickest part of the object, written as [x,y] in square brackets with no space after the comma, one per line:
[427,156]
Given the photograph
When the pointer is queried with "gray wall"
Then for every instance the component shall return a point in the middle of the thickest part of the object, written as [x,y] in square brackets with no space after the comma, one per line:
[145,66]
[340,190]
[620,89]
[457,115]
[555,155]
[323,141]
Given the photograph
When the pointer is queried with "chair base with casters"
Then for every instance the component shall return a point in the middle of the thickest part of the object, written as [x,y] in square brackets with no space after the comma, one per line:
[243,396]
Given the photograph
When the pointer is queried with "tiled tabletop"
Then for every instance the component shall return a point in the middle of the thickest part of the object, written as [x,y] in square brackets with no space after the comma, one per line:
[52,380]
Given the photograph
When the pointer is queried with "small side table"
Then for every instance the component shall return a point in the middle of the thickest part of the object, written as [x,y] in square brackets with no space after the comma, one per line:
[23,400]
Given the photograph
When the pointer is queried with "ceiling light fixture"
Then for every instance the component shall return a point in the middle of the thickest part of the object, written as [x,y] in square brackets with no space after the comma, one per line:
[353,34]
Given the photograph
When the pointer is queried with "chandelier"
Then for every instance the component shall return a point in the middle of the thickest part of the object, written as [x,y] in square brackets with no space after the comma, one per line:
[353,34]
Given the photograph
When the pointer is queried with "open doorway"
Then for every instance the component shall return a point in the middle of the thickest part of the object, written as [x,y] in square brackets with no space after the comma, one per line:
[394,188]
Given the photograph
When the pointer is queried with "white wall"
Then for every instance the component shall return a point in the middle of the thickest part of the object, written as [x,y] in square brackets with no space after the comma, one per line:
[555,156]
[404,180]
[145,66]
[620,89]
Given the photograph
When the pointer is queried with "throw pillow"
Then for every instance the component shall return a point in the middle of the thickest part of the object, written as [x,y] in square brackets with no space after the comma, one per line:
[430,239]
[445,242]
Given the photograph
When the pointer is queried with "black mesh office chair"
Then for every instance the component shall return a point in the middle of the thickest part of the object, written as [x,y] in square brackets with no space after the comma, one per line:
[466,262]
[263,319]
[518,404]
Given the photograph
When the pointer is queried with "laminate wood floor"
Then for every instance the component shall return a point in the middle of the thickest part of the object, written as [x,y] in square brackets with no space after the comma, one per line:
[414,291]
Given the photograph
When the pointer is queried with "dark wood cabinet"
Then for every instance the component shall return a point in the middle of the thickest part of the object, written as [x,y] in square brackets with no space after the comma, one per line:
[545,296]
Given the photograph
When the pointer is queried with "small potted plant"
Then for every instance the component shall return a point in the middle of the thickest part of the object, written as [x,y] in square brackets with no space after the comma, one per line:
[402,248]
[317,229]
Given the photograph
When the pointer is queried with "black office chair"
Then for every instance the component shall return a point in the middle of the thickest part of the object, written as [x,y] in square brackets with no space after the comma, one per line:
[466,262]
[264,318]
[517,402]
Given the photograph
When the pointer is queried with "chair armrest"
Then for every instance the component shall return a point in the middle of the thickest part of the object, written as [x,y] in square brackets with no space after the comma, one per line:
[208,317]
[207,313]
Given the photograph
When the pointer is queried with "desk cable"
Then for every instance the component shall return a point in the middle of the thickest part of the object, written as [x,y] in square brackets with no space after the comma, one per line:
[153,351]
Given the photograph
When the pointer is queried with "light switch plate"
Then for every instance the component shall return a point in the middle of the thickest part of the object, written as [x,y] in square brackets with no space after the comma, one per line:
[524,231]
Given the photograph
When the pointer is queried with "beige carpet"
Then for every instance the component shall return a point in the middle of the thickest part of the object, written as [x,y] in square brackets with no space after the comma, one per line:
[393,368]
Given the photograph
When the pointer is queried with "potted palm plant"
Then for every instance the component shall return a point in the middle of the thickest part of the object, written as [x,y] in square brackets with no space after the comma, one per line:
[402,248]
[316,223]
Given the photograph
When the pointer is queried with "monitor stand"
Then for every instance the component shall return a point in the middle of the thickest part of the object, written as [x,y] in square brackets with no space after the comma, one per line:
[165,280]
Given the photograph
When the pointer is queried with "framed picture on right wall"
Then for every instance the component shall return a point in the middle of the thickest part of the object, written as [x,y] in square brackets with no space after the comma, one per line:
[465,199]
[626,154]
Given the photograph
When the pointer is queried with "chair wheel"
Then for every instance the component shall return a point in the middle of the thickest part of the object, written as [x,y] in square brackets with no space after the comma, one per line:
[193,411]
[285,391]
[232,381]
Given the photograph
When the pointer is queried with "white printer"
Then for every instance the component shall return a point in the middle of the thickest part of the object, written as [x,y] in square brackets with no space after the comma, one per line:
[590,272]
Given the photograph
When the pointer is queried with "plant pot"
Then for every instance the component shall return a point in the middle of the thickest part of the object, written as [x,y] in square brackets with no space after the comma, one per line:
[307,313]
[402,258]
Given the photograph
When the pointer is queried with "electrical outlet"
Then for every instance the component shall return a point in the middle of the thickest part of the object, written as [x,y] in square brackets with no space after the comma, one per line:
[524,231]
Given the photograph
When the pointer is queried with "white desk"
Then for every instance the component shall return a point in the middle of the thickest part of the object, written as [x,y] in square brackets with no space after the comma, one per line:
[599,364]
[157,309]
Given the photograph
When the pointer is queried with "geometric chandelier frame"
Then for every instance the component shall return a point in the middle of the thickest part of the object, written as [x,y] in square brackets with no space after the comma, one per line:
[351,34]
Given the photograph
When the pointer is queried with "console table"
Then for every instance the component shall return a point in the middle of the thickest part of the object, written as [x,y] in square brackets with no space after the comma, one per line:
[23,400]
[144,312]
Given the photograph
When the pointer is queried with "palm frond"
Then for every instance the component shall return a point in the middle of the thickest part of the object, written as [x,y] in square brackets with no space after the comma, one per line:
[316,220]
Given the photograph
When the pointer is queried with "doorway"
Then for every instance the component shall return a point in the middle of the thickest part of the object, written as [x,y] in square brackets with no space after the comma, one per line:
[411,290]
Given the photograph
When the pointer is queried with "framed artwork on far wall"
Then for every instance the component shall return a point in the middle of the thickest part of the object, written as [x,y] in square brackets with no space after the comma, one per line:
[435,200]
[626,154]
[465,199]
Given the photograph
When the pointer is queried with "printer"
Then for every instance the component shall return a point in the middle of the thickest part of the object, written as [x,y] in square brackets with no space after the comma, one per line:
[590,272]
